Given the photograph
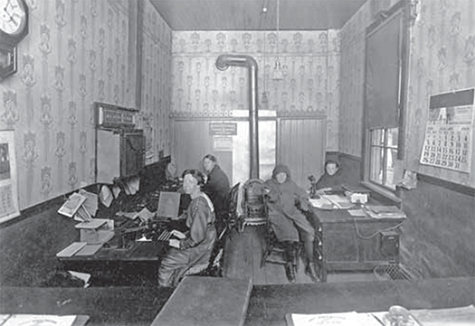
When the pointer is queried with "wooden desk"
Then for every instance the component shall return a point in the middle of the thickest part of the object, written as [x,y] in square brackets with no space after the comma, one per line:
[206,301]
[136,265]
[114,306]
[347,243]
[268,305]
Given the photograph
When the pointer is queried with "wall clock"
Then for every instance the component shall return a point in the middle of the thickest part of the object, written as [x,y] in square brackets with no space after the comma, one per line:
[13,21]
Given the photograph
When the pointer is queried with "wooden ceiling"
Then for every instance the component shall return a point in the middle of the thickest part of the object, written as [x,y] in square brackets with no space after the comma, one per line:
[222,15]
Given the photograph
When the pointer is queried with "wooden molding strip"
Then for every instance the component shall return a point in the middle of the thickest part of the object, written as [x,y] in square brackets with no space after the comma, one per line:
[466,190]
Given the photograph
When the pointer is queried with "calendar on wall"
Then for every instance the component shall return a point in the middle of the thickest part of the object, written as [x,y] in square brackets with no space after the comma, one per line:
[448,136]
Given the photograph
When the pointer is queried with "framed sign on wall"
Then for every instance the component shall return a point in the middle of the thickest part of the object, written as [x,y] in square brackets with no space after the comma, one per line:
[8,177]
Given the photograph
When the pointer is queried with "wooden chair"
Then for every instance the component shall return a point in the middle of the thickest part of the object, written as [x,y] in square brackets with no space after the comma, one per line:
[274,251]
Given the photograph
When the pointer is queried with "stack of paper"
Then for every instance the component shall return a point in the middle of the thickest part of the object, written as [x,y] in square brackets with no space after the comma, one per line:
[340,202]
[321,203]
[376,211]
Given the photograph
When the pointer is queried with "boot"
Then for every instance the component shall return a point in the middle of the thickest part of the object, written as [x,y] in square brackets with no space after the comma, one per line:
[310,271]
[290,272]
[310,268]
[290,258]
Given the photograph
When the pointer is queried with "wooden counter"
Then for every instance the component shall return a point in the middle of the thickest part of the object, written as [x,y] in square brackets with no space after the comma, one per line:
[267,306]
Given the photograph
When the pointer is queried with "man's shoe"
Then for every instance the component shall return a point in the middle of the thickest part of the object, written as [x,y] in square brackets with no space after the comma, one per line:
[310,271]
[290,272]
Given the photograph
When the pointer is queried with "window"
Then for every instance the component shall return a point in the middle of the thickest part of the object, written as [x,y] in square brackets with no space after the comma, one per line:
[385,95]
[383,152]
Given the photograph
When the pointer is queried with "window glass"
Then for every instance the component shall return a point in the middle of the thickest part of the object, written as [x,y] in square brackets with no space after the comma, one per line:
[376,173]
[393,137]
[377,137]
[389,168]
[383,156]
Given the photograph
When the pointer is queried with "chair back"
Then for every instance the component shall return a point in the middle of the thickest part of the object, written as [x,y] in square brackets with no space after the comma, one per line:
[232,202]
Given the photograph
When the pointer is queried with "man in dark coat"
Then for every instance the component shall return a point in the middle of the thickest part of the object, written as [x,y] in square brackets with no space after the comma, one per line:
[286,201]
[332,177]
[217,189]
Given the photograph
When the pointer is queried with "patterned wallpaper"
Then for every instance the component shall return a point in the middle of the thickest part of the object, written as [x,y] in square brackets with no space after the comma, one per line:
[76,53]
[442,59]
[79,52]
[156,87]
[310,61]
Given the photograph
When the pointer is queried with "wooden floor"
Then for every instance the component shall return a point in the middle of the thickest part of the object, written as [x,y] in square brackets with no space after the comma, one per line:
[242,259]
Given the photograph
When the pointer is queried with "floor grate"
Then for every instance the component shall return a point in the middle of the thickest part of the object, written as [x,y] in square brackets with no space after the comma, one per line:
[391,272]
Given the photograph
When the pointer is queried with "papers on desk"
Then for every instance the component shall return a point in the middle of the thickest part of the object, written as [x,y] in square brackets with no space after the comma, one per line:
[329,202]
[79,249]
[85,277]
[71,206]
[70,250]
[321,203]
[346,319]
[377,211]
[36,320]
[357,213]
[144,215]
[89,250]
[336,319]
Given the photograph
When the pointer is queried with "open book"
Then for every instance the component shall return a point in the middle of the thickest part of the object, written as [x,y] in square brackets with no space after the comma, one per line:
[71,206]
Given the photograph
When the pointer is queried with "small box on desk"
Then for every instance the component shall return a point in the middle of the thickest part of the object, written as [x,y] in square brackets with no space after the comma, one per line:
[356,194]
[96,231]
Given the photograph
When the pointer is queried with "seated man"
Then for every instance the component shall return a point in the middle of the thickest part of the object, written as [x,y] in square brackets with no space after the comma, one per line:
[284,198]
[194,247]
[331,178]
[217,189]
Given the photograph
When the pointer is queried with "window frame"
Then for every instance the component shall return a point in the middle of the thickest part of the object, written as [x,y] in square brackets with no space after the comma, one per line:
[402,8]
[384,146]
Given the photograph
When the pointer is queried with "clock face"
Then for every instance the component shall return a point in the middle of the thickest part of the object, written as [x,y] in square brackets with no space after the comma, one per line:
[13,16]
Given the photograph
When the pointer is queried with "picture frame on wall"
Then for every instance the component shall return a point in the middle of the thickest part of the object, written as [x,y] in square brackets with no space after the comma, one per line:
[8,61]
[8,177]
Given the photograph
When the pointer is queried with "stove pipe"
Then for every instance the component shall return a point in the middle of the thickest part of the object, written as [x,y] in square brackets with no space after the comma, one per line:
[222,63]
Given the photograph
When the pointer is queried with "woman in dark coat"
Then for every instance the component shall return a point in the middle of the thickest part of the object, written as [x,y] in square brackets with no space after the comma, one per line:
[217,188]
[286,201]
[194,247]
